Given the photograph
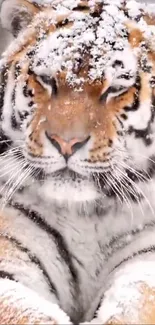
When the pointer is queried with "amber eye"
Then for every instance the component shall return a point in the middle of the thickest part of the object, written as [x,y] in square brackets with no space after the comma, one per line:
[50,82]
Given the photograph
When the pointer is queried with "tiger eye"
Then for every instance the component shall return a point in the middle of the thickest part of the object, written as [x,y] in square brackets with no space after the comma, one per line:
[51,82]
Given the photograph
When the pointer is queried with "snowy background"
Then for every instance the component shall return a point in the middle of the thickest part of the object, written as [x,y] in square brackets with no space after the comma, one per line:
[5,37]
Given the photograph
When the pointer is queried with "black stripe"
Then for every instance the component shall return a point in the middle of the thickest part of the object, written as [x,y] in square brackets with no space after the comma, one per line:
[30,55]
[6,275]
[112,90]
[152,107]
[35,4]
[135,104]
[17,70]
[118,63]
[55,234]
[14,124]
[63,23]
[119,242]
[81,8]
[13,97]
[126,76]
[98,307]
[4,79]
[144,134]
[124,116]
[34,259]
[152,81]
[5,142]
[151,168]
[145,65]
[26,91]
[51,82]
[104,96]
[150,249]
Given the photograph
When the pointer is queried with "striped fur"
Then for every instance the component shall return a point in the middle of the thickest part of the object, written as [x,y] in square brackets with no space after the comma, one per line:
[71,219]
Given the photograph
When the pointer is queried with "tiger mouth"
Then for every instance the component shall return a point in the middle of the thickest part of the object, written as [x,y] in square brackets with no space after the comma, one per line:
[41,175]
[122,188]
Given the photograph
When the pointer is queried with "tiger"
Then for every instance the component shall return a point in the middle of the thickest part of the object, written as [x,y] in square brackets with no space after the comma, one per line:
[77,163]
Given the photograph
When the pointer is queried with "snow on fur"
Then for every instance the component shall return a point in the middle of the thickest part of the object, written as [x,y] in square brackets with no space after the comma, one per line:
[93,36]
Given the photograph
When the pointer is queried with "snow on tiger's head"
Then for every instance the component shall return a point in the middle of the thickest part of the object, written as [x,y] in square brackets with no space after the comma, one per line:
[84,76]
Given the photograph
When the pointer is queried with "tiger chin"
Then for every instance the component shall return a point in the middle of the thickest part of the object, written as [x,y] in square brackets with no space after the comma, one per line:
[77,163]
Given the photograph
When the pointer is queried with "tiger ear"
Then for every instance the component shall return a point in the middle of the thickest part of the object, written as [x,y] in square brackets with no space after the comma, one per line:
[17,15]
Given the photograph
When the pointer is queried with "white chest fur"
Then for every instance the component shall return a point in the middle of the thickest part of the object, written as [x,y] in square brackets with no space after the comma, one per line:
[97,244]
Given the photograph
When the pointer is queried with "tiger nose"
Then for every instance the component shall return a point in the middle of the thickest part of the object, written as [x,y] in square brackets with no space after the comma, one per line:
[66,148]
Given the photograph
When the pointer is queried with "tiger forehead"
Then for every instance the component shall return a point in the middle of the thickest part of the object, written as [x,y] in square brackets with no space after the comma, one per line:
[80,43]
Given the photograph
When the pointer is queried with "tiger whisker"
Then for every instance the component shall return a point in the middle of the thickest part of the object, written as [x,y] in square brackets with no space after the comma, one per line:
[137,188]
[131,191]
[135,172]
[123,195]
[111,186]
[12,177]
[12,188]
[10,152]
[17,184]
[136,155]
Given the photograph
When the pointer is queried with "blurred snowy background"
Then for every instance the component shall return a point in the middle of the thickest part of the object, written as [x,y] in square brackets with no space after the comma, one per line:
[5,37]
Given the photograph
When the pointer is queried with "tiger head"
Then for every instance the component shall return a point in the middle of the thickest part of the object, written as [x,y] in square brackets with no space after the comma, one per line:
[78,92]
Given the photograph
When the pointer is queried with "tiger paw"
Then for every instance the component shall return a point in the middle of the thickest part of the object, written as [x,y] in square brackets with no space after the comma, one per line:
[130,298]
[20,305]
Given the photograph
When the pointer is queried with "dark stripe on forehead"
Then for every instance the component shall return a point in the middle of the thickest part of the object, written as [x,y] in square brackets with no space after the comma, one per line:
[126,76]
[81,8]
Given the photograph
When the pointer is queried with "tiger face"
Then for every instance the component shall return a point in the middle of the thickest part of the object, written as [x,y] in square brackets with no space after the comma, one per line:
[78,92]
